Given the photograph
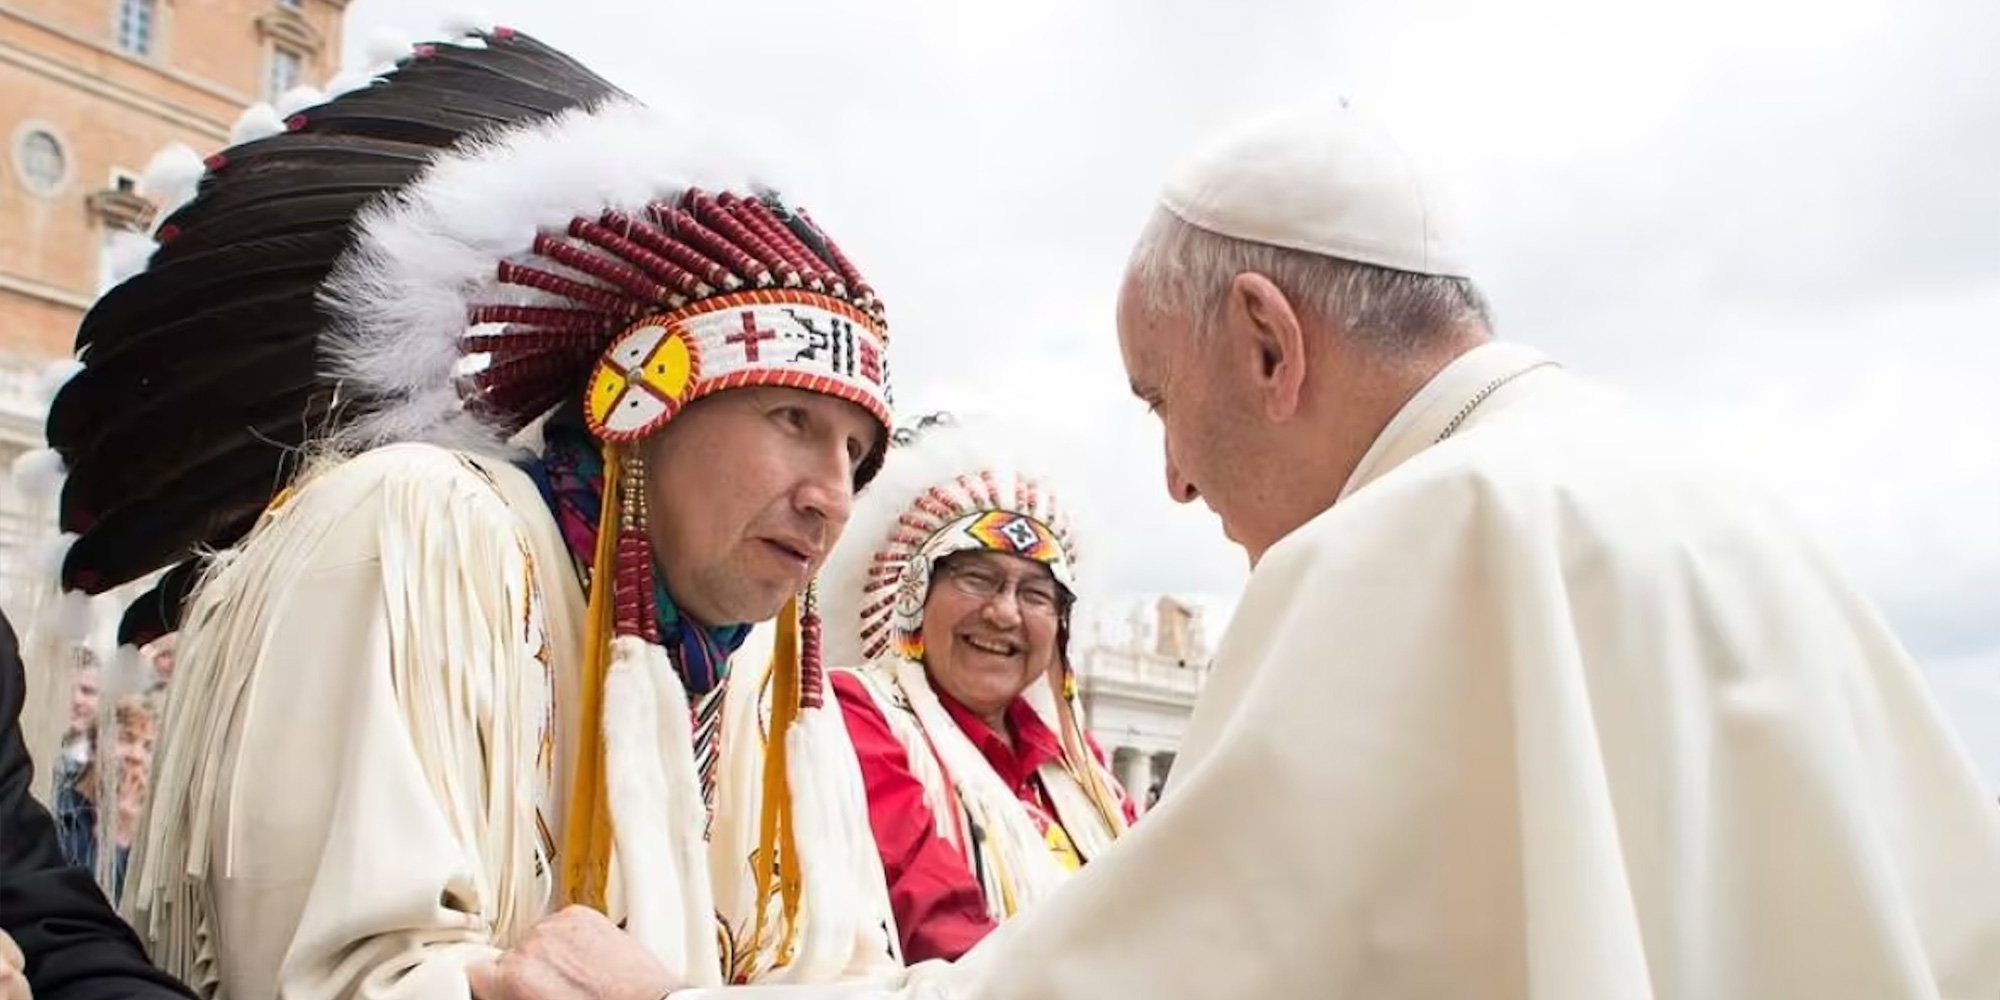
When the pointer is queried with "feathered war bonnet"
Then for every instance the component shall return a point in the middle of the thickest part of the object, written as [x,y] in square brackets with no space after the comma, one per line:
[955,486]
[446,255]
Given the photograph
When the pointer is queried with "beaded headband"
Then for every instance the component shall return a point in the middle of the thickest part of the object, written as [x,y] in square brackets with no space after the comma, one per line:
[947,492]
[703,294]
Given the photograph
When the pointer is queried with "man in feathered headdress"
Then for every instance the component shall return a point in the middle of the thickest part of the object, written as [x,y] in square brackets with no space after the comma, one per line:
[453,676]
[955,586]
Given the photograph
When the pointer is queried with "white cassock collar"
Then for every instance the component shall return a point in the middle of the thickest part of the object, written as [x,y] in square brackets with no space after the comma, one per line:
[1441,406]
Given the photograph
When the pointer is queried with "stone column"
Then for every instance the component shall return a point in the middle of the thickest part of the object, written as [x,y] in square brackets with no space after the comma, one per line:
[1134,770]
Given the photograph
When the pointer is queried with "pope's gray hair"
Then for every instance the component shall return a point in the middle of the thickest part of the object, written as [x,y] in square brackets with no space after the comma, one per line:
[1186,270]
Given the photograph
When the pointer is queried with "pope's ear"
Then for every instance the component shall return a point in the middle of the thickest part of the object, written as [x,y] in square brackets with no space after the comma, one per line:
[1268,343]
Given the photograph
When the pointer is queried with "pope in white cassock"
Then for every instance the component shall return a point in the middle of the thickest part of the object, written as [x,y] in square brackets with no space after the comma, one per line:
[1521,699]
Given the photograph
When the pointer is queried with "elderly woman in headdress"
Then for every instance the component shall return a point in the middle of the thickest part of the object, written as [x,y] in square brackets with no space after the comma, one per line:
[958,580]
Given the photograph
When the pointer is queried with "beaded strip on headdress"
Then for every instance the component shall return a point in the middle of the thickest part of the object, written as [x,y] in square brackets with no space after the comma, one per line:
[706,293]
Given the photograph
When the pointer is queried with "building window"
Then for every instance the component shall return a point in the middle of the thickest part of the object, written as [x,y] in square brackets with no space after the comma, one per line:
[119,207]
[284,72]
[136,22]
[40,159]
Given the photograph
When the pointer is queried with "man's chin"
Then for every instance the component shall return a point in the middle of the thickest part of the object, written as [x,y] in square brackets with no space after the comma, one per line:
[765,604]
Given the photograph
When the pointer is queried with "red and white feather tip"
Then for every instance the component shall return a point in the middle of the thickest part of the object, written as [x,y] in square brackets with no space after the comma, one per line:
[127,255]
[468,23]
[351,80]
[297,99]
[171,177]
[259,121]
[384,48]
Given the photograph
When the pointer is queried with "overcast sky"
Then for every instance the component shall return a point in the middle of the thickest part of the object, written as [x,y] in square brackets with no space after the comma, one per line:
[1778,220]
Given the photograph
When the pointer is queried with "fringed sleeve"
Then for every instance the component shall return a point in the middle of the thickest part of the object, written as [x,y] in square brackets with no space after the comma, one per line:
[346,801]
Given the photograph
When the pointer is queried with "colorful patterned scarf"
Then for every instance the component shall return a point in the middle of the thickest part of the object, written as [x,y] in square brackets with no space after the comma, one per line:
[570,475]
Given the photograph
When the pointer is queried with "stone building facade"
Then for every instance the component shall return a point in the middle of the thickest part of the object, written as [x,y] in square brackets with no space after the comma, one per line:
[1137,683]
[89,91]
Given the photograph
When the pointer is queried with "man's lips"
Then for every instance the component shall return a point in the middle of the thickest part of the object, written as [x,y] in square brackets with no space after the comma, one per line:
[802,552]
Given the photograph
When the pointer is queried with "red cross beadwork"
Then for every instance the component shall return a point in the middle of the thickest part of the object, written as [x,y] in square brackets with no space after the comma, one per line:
[750,336]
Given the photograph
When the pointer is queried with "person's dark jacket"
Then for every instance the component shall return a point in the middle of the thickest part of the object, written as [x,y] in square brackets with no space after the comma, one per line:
[75,946]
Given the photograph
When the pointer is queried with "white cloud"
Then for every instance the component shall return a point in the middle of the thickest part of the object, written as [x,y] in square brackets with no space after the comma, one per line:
[1776,217]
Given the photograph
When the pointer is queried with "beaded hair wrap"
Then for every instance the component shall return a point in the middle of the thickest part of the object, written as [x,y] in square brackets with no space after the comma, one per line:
[636,612]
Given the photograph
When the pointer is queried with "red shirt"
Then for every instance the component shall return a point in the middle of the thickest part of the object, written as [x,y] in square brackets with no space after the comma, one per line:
[940,909]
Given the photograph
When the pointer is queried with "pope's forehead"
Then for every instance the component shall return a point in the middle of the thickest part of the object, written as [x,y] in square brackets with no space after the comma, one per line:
[1132,296]
[1149,336]
[1139,308]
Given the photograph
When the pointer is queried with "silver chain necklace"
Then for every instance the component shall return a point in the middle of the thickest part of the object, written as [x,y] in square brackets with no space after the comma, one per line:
[1480,397]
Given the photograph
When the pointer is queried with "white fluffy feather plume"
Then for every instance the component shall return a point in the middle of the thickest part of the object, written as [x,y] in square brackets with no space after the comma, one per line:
[259,121]
[50,380]
[38,474]
[467,21]
[72,616]
[384,48]
[128,673]
[348,82]
[297,99]
[170,177]
[128,253]
[50,553]
[403,292]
